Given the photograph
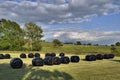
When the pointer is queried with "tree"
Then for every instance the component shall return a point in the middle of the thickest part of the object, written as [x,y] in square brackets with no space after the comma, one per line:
[57,43]
[11,35]
[113,49]
[117,43]
[78,43]
[33,33]
[89,44]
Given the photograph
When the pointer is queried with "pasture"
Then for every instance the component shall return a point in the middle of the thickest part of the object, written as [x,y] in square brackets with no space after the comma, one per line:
[107,69]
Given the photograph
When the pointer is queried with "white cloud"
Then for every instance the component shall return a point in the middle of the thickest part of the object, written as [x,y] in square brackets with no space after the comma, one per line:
[56,11]
[76,34]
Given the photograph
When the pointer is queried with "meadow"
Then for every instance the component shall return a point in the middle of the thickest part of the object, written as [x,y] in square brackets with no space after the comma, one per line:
[107,69]
[84,70]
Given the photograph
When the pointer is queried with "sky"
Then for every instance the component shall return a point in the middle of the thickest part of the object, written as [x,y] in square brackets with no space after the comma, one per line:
[88,21]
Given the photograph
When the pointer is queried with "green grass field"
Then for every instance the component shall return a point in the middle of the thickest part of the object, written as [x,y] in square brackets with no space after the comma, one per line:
[84,70]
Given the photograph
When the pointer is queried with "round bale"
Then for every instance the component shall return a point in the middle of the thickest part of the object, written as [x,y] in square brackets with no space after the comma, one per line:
[56,60]
[37,61]
[30,55]
[111,56]
[65,60]
[75,58]
[53,54]
[1,56]
[48,60]
[47,55]
[62,54]
[22,55]
[99,56]
[7,56]
[16,63]
[37,55]
[106,56]
[91,57]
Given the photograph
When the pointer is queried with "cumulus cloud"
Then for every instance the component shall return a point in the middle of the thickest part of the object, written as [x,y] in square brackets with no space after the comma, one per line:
[76,34]
[57,11]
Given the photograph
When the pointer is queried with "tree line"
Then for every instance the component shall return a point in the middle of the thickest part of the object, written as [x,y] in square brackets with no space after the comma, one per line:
[13,37]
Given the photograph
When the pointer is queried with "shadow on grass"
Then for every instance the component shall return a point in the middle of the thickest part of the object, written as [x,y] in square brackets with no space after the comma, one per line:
[31,73]
[115,60]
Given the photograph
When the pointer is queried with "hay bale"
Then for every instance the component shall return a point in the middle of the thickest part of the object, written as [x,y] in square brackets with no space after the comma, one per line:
[7,56]
[47,54]
[37,55]
[99,56]
[74,58]
[16,63]
[111,56]
[37,61]
[53,54]
[30,55]
[62,54]
[91,57]
[65,60]
[1,56]
[56,60]
[48,60]
[106,56]
[22,55]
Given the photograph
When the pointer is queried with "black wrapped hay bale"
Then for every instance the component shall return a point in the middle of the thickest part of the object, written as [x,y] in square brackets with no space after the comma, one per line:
[30,55]
[37,61]
[56,60]
[53,54]
[48,60]
[22,55]
[47,55]
[37,55]
[106,56]
[111,56]
[99,56]
[1,56]
[7,56]
[75,59]
[16,63]
[90,57]
[62,54]
[65,60]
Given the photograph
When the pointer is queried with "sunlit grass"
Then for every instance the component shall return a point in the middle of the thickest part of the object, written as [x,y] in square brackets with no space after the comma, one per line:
[84,70]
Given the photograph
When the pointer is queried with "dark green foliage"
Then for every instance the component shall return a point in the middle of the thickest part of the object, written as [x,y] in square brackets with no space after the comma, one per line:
[57,43]
[117,43]
[33,33]
[12,36]
[78,43]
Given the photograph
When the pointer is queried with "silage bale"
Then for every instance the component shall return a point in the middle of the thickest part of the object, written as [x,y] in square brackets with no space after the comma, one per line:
[16,63]
[37,61]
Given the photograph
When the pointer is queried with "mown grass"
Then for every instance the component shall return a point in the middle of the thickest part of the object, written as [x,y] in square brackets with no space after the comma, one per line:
[84,70]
